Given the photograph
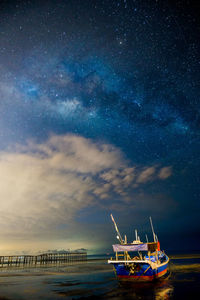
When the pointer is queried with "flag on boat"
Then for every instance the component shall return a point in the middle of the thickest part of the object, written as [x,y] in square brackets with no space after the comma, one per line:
[158,246]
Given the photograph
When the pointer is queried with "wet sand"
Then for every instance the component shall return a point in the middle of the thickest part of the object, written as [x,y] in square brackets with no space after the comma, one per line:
[96,278]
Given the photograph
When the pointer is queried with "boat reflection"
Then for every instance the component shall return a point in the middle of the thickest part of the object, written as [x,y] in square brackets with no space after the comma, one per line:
[161,289]
[164,290]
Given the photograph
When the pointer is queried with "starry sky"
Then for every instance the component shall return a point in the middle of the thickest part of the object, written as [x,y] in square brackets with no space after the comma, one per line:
[99,113]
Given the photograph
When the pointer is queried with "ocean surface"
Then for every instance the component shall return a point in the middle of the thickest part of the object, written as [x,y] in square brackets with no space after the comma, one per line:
[95,279]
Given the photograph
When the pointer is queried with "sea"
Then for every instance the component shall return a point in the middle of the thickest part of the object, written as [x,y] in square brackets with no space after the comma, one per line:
[95,279]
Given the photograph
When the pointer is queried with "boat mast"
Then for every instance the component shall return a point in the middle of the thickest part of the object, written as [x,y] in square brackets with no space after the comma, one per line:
[154,236]
[116,228]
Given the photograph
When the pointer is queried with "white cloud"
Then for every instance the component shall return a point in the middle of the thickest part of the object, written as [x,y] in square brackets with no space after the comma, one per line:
[165,173]
[44,186]
[146,175]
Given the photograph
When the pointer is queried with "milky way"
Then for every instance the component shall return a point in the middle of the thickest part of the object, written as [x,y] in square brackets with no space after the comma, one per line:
[117,73]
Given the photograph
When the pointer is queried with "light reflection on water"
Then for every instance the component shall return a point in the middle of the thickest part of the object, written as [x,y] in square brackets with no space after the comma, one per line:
[96,278]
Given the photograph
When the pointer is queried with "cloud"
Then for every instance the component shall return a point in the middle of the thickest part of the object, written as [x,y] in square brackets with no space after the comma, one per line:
[146,175]
[44,186]
[165,173]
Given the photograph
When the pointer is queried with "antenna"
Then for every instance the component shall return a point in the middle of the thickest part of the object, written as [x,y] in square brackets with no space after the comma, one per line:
[147,238]
[154,236]
[116,228]
[136,236]
[125,239]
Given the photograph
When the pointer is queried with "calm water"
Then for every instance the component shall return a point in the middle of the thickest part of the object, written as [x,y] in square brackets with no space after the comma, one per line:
[96,279]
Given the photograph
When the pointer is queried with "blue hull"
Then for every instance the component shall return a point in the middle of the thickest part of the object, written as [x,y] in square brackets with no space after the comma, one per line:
[142,271]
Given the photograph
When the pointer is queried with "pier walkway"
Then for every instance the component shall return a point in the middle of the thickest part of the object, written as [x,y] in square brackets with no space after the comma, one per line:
[42,259]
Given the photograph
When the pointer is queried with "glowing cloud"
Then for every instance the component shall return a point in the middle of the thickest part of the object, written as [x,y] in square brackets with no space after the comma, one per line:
[43,186]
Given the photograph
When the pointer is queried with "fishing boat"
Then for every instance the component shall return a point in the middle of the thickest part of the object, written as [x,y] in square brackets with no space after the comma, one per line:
[137,260]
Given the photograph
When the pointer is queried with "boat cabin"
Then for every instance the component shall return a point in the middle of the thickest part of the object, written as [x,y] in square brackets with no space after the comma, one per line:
[123,251]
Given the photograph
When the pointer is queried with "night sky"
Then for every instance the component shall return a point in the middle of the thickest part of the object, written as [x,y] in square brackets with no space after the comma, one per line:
[99,113]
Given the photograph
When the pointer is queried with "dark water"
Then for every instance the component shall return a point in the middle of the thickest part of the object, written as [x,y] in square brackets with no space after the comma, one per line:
[95,279]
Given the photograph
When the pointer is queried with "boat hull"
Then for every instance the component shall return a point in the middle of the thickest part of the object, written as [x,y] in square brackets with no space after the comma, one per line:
[142,272]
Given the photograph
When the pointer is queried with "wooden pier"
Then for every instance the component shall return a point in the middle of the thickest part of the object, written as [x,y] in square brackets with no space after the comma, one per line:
[42,259]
